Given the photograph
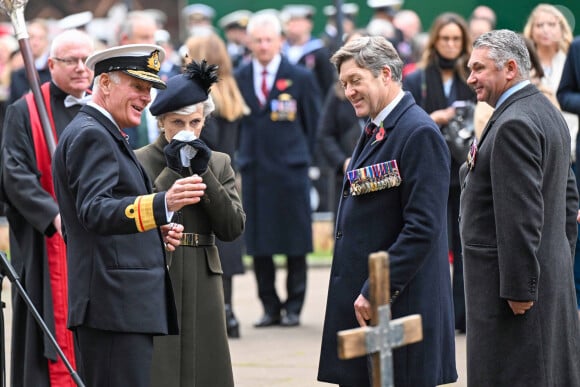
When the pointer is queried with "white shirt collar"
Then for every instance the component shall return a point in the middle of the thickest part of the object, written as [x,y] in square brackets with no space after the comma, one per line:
[104,112]
[271,67]
[382,116]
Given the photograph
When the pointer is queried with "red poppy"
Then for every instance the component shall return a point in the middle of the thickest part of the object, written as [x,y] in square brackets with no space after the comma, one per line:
[283,84]
[380,134]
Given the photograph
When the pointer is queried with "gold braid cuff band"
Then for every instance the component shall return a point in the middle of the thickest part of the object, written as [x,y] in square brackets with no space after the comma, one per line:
[142,212]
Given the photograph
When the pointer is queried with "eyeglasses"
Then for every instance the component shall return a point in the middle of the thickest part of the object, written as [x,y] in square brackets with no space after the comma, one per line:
[71,61]
[452,39]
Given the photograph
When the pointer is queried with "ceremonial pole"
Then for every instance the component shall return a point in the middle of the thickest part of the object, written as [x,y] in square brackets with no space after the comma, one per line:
[15,9]
[8,269]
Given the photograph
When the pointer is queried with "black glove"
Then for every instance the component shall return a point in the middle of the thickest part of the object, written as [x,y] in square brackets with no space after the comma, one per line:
[201,158]
[172,157]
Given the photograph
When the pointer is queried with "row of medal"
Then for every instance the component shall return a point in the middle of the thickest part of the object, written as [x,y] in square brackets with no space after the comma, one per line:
[374,177]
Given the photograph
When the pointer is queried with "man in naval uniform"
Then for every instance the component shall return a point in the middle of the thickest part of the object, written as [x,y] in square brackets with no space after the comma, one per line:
[120,292]
[36,246]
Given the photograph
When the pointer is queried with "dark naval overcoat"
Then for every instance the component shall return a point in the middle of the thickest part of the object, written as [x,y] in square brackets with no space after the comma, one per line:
[118,277]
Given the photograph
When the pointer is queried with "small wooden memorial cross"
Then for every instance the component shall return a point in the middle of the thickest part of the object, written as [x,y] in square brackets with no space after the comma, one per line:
[383,335]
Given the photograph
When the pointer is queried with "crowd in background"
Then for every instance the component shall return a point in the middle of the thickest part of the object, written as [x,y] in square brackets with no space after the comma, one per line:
[310,179]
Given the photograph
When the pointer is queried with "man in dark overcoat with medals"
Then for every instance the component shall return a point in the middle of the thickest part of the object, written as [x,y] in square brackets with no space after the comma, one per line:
[276,143]
[394,199]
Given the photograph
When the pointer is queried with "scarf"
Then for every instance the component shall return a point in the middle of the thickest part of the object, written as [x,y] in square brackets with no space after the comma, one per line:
[432,94]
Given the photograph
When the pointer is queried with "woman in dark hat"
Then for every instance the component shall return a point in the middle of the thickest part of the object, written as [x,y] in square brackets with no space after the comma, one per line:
[200,354]
[220,133]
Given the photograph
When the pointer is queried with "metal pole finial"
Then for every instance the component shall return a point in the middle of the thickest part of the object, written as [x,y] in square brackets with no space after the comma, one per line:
[15,9]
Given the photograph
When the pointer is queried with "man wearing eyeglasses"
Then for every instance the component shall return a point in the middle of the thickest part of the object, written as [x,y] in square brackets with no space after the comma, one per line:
[36,245]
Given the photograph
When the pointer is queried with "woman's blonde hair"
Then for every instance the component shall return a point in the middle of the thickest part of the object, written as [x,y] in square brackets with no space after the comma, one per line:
[567,37]
[229,103]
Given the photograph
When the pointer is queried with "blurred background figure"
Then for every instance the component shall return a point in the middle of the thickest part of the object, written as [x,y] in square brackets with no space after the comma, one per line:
[385,10]
[8,48]
[484,12]
[39,39]
[220,133]
[172,63]
[481,20]
[549,30]
[198,18]
[78,21]
[276,147]
[384,28]
[329,34]
[409,23]
[440,81]
[303,49]
[104,31]
[234,27]
[158,15]
[138,28]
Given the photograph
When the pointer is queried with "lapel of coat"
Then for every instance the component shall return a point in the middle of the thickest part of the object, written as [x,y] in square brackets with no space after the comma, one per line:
[245,79]
[526,91]
[114,131]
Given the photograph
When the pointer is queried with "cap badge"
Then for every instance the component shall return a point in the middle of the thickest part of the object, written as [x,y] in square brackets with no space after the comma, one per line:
[153,61]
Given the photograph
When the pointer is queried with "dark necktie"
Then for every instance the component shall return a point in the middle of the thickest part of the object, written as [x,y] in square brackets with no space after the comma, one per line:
[265,84]
[370,129]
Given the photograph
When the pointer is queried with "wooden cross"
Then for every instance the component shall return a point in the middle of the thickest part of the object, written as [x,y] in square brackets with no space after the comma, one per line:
[383,335]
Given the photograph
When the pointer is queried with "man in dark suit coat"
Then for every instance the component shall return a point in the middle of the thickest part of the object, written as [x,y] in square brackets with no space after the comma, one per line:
[569,99]
[120,294]
[398,205]
[518,229]
[276,142]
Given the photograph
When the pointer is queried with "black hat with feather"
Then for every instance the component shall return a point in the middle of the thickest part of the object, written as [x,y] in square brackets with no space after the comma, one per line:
[186,89]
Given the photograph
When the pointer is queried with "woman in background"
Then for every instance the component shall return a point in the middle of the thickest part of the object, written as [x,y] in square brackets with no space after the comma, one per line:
[221,134]
[549,30]
[439,81]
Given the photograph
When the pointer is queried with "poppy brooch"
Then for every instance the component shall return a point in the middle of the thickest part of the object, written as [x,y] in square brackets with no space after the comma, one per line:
[381,133]
[283,83]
